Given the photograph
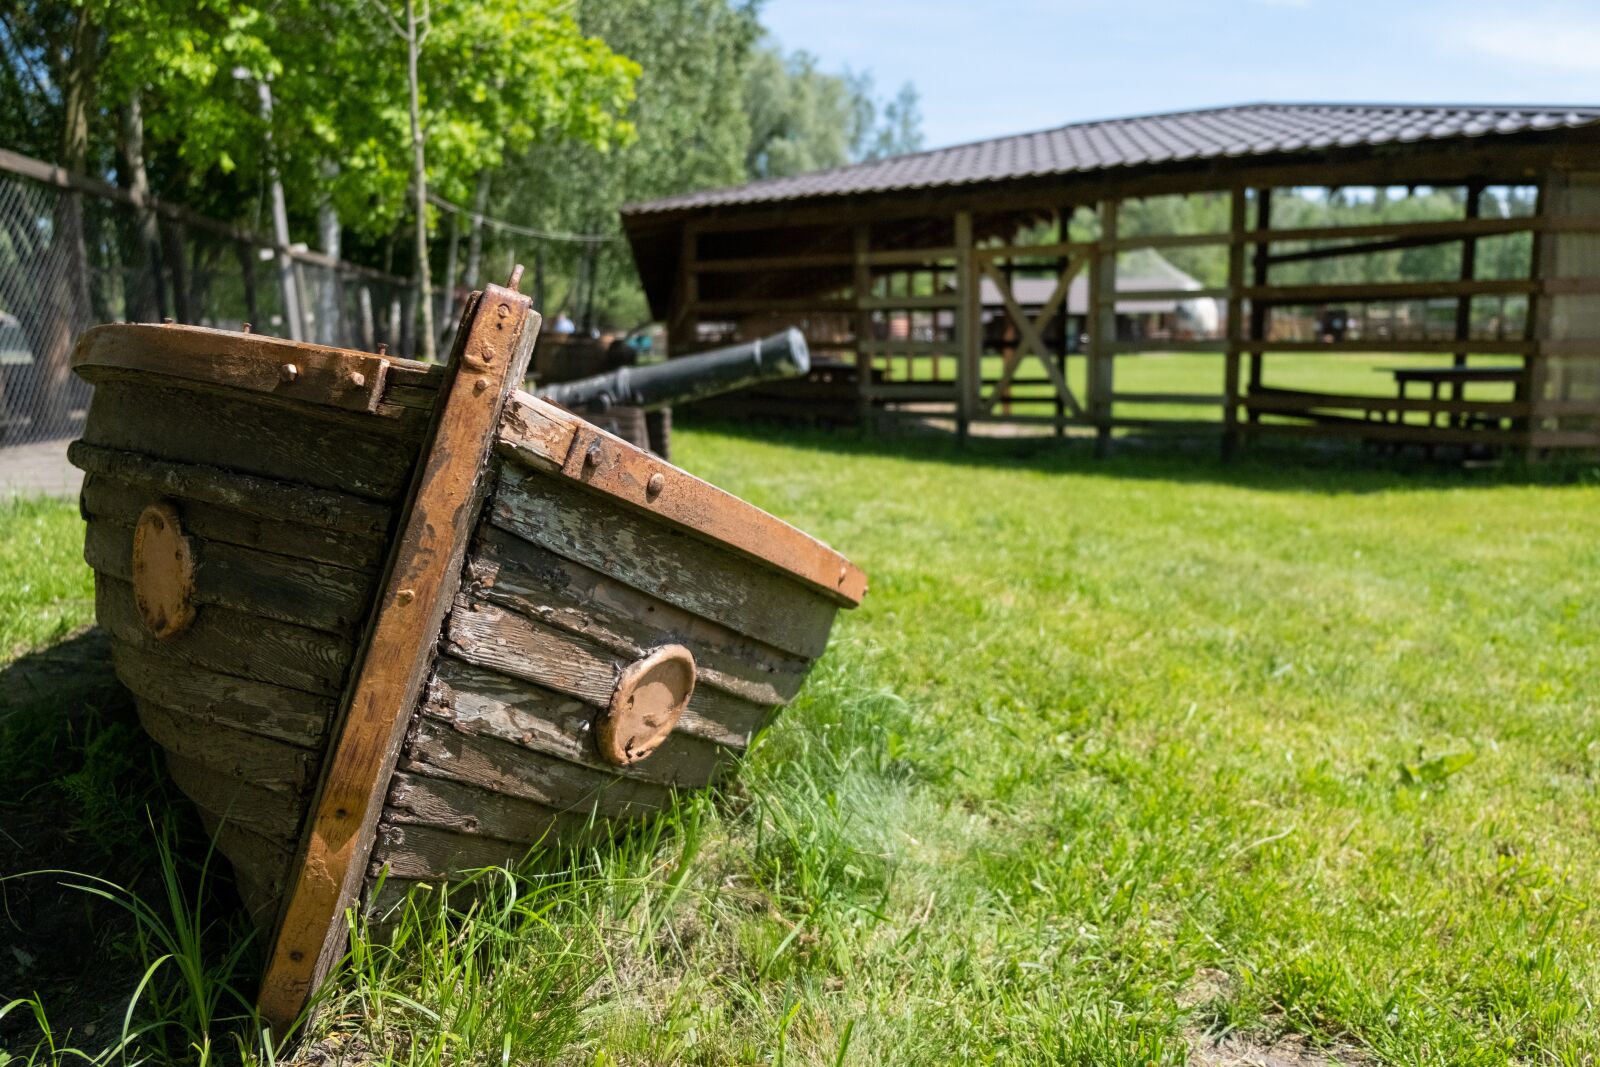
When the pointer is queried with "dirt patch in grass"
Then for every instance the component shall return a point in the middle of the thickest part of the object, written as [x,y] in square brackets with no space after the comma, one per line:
[1290,1050]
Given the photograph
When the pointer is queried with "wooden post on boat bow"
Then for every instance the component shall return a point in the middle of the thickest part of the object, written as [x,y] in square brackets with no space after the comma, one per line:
[489,360]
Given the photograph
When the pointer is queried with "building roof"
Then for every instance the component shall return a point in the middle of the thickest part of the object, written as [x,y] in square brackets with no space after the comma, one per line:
[1213,133]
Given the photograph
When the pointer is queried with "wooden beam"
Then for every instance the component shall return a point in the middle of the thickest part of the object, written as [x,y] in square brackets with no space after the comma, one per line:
[1238,205]
[969,323]
[1103,329]
[911,257]
[941,301]
[1171,240]
[1364,291]
[489,361]
[1259,271]
[1432,228]
[747,264]
[862,238]
[1195,399]
[1393,244]
[759,305]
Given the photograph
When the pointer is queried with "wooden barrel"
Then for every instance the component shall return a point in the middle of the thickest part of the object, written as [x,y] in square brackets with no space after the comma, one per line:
[392,622]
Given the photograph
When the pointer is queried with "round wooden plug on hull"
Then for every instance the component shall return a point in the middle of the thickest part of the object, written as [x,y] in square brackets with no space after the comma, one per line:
[649,699]
[163,572]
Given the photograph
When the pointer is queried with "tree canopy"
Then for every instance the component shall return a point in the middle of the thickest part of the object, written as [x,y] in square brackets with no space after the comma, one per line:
[547,114]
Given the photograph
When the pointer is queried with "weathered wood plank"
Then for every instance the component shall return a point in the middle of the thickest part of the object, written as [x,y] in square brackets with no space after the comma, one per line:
[514,573]
[192,426]
[303,593]
[416,852]
[121,502]
[417,800]
[651,487]
[516,645]
[260,866]
[315,374]
[440,751]
[234,754]
[226,700]
[362,521]
[231,642]
[534,435]
[489,358]
[663,562]
[272,814]
[491,704]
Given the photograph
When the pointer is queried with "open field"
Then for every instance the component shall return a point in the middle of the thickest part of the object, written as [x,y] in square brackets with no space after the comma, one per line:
[1117,758]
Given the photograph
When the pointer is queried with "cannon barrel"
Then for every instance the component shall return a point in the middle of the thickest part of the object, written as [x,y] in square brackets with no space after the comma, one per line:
[783,355]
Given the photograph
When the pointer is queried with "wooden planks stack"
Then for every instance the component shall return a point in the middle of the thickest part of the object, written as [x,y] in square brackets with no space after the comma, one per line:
[409,604]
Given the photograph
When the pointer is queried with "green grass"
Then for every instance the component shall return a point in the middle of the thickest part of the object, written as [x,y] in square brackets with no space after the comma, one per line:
[46,591]
[1115,756]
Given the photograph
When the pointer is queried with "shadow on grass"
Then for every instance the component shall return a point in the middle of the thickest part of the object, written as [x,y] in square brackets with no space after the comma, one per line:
[1278,465]
[84,792]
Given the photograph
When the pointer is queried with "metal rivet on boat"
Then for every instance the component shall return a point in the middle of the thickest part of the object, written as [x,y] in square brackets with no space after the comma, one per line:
[480,385]
[297,955]
[503,310]
[383,348]
[653,487]
[244,327]
[166,322]
[843,574]
[288,372]
[404,597]
[594,455]
[358,379]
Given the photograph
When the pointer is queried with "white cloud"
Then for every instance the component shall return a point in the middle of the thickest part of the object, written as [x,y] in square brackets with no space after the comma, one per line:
[1545,38]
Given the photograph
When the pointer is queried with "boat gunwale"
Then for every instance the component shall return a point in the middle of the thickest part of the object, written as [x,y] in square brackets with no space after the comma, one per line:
[549,439]
[321,375]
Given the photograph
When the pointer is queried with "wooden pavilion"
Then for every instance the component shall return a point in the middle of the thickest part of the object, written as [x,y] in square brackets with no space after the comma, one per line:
[885,265]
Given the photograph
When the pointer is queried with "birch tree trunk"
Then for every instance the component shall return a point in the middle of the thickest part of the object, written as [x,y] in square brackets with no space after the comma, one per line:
[419,179]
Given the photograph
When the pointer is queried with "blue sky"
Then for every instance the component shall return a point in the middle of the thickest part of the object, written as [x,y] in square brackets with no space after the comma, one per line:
[986,69]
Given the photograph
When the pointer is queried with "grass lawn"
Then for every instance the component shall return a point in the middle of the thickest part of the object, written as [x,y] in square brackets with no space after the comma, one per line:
[1117,757]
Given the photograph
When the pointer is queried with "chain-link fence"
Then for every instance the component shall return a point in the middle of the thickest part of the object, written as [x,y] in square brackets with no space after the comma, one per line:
[75,252]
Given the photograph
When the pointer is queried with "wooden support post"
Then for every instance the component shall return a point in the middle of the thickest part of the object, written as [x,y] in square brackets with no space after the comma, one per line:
[1541,319]
[1258,275]
[488,363]
[1469,271]
[1230,368]
[969,326]
[1063,235]
[1103,327]
[686,298]
[863,326]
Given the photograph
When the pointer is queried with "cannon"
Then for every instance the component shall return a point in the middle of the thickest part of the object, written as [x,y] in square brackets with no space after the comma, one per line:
[631,402]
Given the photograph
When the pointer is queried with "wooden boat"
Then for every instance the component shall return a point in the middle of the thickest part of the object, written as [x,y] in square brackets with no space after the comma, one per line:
[396,620]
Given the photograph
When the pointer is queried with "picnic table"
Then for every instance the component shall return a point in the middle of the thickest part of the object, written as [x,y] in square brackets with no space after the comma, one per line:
[1455,379]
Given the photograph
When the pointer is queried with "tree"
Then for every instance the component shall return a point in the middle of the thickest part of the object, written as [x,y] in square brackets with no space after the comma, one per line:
[802,118]
[692,134]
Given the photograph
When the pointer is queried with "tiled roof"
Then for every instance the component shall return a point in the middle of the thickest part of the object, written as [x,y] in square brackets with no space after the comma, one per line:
[1216,133]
